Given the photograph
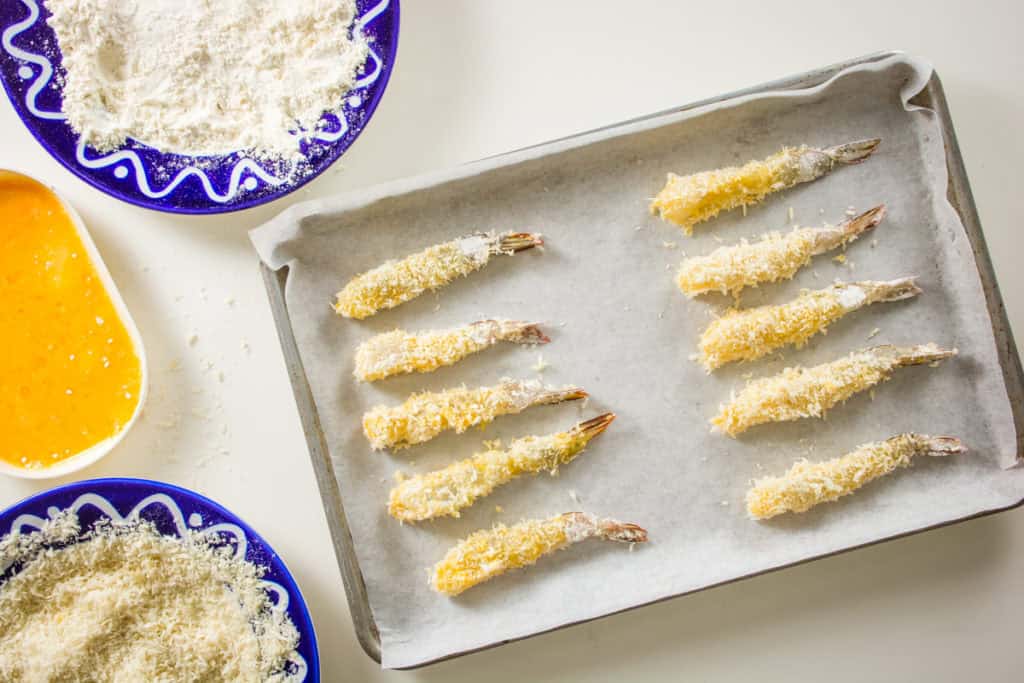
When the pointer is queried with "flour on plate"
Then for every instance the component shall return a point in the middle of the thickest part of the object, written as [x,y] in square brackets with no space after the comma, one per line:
[205,76]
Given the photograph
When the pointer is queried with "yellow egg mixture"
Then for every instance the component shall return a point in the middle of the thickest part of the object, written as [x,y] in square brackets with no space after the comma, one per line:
[69,374]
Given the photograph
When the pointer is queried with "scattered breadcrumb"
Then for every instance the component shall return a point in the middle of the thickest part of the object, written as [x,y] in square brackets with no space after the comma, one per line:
[541,365]
[669,245]
[873,333]
[792,215]
[839,258]
[192,339]
[499,509]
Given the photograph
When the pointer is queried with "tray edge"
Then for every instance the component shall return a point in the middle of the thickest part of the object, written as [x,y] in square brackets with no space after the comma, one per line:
[337,523]
[961,197]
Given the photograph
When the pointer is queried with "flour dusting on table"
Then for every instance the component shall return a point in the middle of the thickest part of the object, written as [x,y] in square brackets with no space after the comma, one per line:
[201,77]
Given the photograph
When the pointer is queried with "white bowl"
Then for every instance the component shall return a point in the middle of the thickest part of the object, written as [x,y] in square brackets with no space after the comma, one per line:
[90,455]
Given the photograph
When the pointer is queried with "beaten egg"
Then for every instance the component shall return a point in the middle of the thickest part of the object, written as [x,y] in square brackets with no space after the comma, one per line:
[71,376]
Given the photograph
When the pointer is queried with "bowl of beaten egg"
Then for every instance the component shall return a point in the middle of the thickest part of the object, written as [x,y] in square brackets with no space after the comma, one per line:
[73,372]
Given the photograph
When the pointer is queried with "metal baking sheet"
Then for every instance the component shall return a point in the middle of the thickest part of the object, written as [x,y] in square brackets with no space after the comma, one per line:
[713,470]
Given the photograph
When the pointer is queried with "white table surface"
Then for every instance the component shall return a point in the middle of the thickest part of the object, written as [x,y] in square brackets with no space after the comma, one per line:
[476,78]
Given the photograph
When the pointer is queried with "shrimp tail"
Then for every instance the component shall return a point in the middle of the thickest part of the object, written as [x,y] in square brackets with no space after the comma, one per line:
[864,222]
[560,395]
[580,525]
[915,355]
[939,446]
[853,152]
[517,331]
[512,242]
[891,290]
[594,426]
[856,226]
[849,230]
[624,532]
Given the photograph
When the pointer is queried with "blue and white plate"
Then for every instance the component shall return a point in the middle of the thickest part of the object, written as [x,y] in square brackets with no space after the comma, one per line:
[173,510]
[30,66]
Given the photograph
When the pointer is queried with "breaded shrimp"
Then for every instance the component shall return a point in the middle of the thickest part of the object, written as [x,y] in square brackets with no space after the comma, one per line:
[800,392]
[423,416]
[399,352]
[491,552]
[775,257]
[446,491]
[396,282]
[688,200]
[755,332]
[808,484]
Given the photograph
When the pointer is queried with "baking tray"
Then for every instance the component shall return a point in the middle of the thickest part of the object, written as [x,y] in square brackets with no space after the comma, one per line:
[959,195]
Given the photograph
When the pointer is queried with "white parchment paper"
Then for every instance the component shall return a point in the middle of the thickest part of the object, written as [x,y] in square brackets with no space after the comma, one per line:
[623,331]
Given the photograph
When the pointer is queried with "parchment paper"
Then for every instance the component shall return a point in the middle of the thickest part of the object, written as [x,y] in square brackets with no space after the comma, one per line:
[622,330]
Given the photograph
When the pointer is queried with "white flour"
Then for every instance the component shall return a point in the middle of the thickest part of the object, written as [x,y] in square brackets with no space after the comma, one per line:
[205,76]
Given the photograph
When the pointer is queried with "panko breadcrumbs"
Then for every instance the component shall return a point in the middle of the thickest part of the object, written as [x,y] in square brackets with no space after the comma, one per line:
[125,603]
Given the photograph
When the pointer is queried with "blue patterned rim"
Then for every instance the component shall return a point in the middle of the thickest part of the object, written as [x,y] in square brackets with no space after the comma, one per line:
[173,510]
[141,175]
